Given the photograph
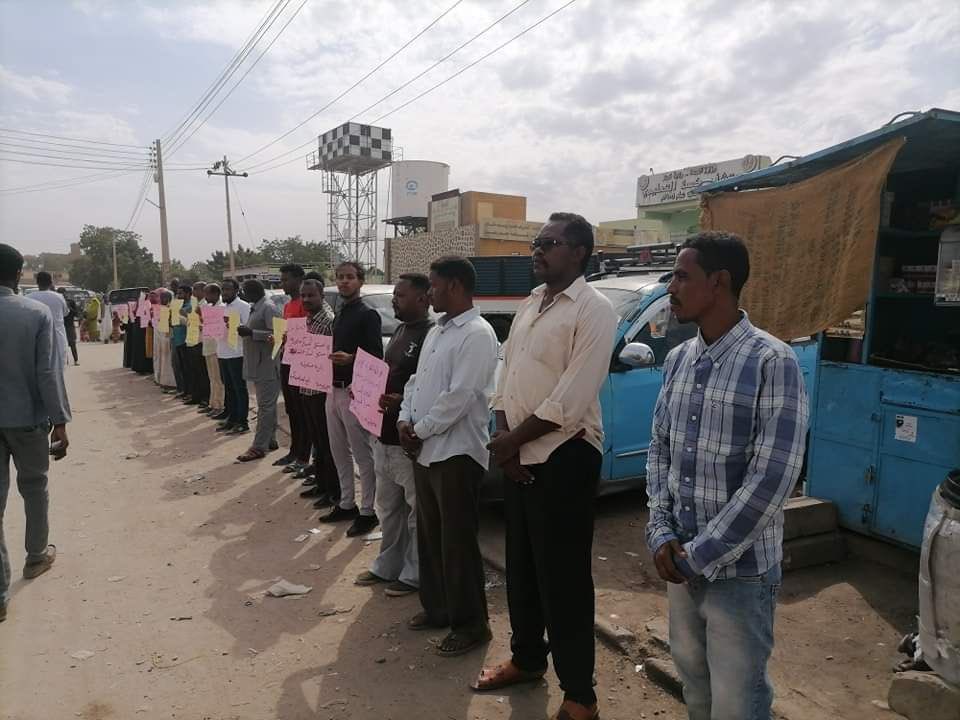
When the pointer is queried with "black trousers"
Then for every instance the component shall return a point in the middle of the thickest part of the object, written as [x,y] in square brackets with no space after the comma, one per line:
[236,398]
[549,567]
[315,415]
[186,368]
[300,434]
[451,568]
[199,388]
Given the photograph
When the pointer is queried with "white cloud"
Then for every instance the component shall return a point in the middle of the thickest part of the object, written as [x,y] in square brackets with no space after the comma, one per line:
[34,87]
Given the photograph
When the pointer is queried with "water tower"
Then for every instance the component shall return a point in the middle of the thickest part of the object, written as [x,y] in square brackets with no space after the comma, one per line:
[412,184]
[350,156]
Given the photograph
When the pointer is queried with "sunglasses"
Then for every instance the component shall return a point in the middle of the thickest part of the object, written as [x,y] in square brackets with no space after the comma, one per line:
[545,244]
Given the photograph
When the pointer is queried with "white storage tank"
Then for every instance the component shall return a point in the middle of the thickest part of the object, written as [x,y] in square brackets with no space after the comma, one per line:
[412,184]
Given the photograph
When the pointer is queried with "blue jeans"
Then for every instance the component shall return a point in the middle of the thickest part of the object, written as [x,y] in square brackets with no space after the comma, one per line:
[721,636]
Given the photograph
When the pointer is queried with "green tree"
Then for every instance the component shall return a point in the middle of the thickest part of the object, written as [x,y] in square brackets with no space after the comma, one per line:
[295,250]
[94,269]
[219,261]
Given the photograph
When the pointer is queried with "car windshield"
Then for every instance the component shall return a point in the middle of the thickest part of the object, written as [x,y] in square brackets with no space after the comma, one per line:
[624,301]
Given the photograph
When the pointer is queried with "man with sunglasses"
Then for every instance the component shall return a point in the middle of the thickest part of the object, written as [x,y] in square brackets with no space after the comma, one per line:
[548,443]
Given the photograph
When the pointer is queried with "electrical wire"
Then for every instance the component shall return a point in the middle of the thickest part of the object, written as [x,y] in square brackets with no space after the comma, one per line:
[345,92]
[61,137]
[475,62]
[242,77]
[237,60]
[31,144]
[138,203]
[67,165]
[431,89]
[64,183]
[236,195]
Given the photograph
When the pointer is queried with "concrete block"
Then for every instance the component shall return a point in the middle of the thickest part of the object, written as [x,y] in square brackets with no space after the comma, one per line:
[659,631]
[803,516]
[814,550]
[924,696]
[664,673]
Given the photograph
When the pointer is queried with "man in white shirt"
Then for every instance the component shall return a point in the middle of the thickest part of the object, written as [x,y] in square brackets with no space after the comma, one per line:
[236,396]
[58,310]
[443,422]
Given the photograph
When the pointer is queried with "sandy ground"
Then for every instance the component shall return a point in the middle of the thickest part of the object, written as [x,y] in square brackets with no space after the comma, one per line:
[155,606]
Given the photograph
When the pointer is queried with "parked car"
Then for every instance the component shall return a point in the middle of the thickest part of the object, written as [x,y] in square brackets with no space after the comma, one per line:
[647,330]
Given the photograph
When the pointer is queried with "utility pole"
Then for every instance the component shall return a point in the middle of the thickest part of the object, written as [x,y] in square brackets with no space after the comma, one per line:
[164,240]
[116,282]
[222,167]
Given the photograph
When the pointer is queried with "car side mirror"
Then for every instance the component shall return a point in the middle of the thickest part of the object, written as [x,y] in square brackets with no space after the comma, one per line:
[637,355]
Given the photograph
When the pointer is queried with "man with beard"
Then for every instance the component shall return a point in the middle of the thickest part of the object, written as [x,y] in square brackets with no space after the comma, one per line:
[549,444]
[398,563]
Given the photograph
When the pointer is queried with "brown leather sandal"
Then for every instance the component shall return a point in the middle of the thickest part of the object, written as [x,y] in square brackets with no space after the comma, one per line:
[504,675]
[251,454]
[582,712]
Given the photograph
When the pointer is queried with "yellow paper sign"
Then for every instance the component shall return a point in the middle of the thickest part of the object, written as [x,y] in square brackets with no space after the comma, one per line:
[193,329]
[233,337]
[279,328]
[164,320]
[175,306]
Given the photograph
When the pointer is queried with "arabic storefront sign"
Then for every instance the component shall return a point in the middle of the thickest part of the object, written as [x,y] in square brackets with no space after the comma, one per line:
[682,184]
[811,243]
[445,214]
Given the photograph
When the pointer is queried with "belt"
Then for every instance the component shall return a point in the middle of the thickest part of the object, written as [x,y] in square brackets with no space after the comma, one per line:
[341,384]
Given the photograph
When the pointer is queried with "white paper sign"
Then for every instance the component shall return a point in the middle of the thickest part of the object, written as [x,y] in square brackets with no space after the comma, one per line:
[906,430]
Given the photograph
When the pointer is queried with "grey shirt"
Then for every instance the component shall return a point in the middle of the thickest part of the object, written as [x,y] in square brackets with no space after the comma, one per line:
[257,361]
[31,376]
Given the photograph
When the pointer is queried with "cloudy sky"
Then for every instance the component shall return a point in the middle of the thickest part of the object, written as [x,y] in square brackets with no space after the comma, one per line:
[568,115]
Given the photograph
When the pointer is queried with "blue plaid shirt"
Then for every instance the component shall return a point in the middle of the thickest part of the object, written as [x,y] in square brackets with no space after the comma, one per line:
[729,433]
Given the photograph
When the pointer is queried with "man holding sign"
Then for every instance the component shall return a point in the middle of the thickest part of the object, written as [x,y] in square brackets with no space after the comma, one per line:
[261,368]
[230,355]
[398,562]
[214,330]
[356,326]
[444,422]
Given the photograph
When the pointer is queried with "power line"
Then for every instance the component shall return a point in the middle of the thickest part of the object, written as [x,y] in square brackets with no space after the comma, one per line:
[61,137]
[79,155]
[66,165]
[32,144]
[242,77]
[226,73]
[65,183]
[138,203]
[345,92]
[475,62]
[236,194]
[429,90]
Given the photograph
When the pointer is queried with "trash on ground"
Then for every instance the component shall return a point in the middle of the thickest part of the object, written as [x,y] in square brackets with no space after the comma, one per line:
[301,537]
[177,618]
[375,535]
[331,611]
[116,578]
[284,588]
[82,655]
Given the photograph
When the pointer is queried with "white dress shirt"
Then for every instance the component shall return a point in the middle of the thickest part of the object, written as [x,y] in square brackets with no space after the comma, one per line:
[224,350]
[447,399]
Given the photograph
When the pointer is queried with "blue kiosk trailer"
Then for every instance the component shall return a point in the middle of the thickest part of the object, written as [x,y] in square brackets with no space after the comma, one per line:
[885,421]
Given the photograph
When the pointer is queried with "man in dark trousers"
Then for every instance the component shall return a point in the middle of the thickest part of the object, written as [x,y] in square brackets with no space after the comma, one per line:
[729,436]
[236,397]
[181,360]
[323,485]
[200,388]
[291,277]
[549,444]
[34,414]
[398,563]
[444,422]
[357,326]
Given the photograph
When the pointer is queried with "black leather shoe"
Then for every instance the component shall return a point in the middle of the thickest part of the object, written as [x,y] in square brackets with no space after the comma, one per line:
[222,415]
[305,472]
[313,492]
[293,467]
[240,429]
[338,514]
[225,427]
[312,480]
[362,524]
[285,460]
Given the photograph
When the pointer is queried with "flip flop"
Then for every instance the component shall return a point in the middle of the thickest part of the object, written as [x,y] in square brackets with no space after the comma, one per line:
[500,676]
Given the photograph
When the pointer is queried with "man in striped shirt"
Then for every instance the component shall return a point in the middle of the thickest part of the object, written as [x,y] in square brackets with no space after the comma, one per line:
[728,442]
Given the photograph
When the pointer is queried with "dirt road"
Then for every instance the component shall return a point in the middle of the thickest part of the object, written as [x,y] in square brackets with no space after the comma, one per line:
[156,609]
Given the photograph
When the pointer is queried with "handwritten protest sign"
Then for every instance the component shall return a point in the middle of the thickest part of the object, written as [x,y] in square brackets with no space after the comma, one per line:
[213,325]
[296,329]
[233,337]
[310,365]
[175,306]
[368,384]
[193,329]
[279,328]
[164,322]
[122,312]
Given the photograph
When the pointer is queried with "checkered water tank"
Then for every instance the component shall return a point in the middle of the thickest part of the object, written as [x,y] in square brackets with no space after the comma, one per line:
[355,148]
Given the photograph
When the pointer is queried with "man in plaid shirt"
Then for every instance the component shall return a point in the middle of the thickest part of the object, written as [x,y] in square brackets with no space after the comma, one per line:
[728,441]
